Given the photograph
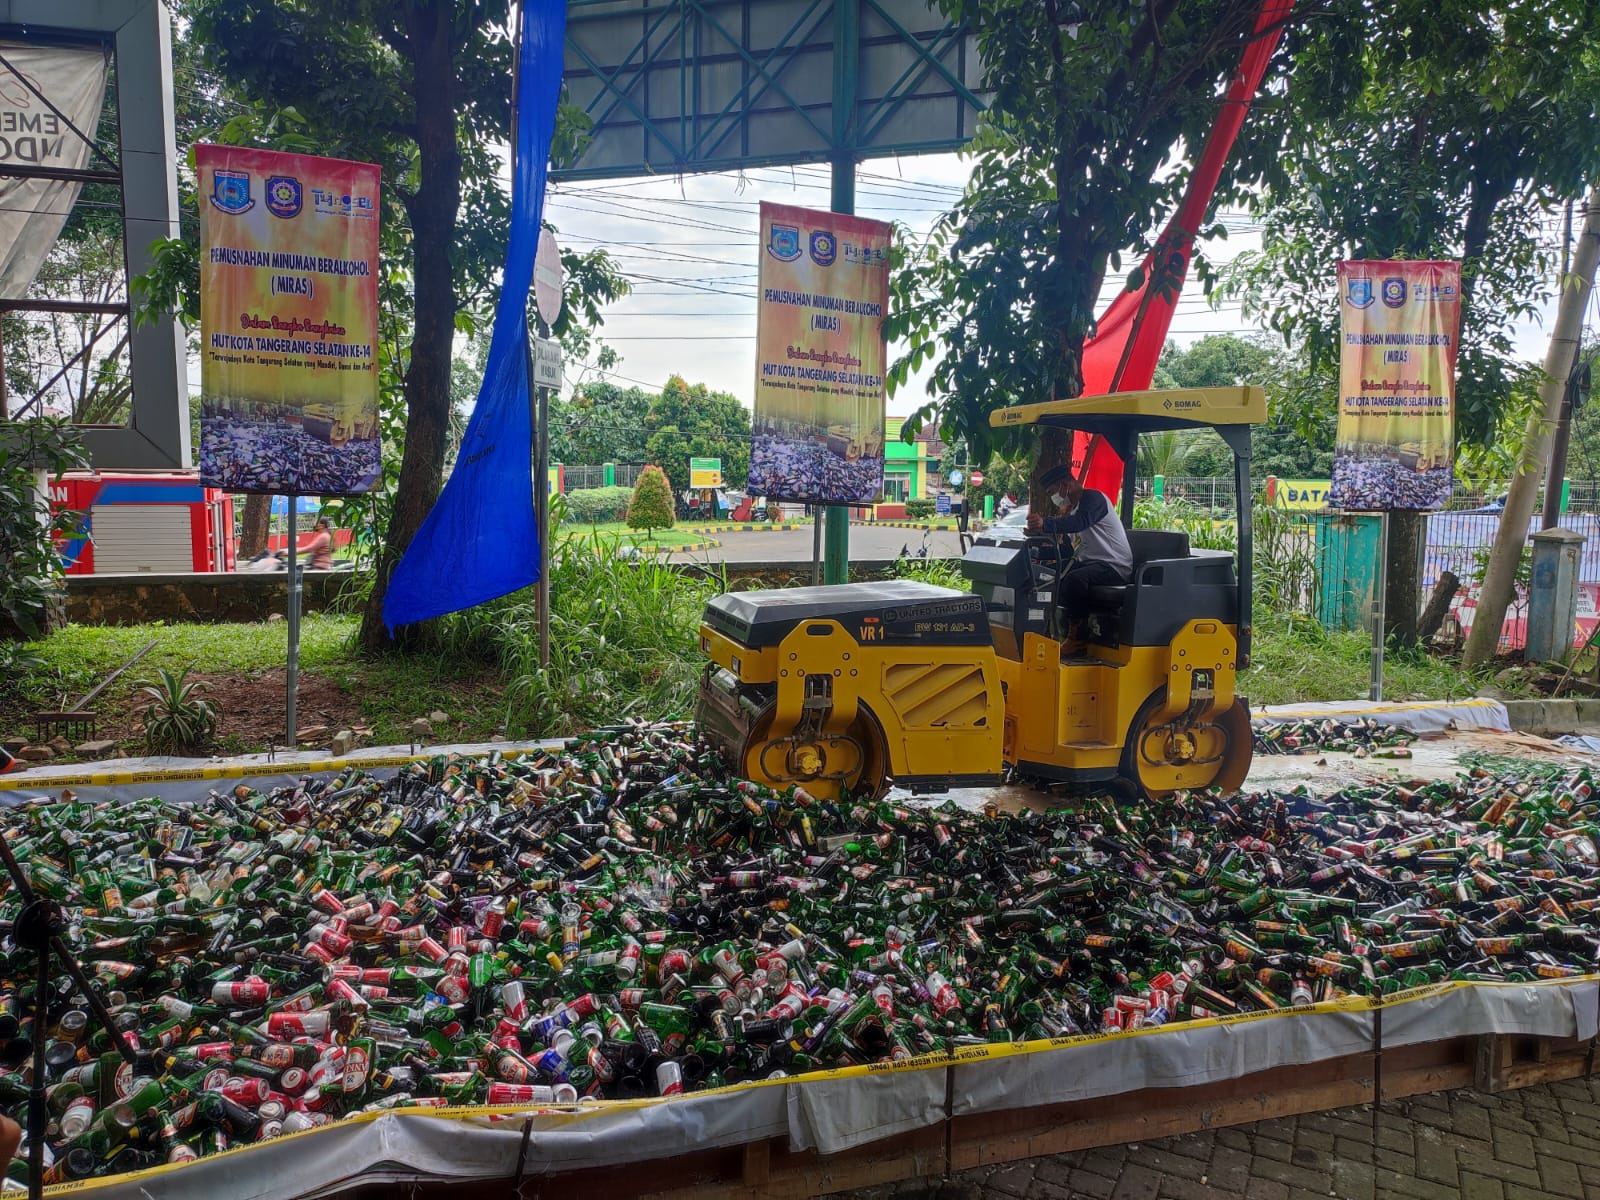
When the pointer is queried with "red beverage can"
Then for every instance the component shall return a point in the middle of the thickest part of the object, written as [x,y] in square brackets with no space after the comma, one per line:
[249,991]
[520,1093]
[245,1091]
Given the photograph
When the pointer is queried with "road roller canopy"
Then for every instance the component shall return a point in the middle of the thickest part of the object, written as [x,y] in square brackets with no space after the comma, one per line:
[1129,413]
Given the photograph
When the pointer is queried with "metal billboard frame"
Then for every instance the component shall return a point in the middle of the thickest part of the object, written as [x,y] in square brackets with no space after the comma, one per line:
[682,86]
[140,36]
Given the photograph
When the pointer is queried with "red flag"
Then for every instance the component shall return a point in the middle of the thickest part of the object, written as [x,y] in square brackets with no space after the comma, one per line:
[1122,355]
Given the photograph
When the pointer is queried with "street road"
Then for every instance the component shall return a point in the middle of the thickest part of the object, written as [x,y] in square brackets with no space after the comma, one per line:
[866,543]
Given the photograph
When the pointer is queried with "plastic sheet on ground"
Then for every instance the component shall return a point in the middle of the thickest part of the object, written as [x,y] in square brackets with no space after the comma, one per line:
[834,1111]
[1423,716]
[187,780]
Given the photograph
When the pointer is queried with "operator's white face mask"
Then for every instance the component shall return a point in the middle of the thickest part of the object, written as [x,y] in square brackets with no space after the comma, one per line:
[1059,499]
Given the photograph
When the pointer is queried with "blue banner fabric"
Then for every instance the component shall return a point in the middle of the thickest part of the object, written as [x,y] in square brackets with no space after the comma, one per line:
[481,539]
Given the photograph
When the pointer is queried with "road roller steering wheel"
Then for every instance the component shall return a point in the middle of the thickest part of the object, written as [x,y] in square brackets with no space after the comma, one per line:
[1038,547]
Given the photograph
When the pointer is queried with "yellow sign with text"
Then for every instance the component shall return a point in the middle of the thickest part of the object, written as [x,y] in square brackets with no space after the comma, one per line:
[1303,495]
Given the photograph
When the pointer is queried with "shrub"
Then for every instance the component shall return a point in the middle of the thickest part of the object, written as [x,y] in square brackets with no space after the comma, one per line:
[30,560]
[651,507]
[624,641]
[594,506]
[918,510]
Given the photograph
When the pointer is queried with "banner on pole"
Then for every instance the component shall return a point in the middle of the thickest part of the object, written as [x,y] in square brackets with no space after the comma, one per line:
[288,322]
[817,431]
[1397,385]
[33,78]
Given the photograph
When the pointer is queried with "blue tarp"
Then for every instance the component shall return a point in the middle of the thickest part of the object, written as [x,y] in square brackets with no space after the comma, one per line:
[481,539]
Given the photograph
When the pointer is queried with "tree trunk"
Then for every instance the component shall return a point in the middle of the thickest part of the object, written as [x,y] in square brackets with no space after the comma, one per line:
[1499,580]
[256,525]
[432,209]
[1402,592]
[1438,605]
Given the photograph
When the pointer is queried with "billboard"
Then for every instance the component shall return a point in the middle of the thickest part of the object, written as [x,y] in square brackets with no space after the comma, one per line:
[52,89]
[288,322]
[705,473]
[818,426]
[1397,385]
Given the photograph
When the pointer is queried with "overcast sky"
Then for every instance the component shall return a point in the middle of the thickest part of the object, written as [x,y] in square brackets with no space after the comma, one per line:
[689,247]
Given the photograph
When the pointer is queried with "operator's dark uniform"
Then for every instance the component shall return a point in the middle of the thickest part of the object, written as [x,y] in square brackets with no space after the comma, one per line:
[1101,556]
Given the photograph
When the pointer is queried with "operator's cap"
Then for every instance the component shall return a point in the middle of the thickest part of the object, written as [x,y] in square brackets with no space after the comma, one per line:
[1056,474]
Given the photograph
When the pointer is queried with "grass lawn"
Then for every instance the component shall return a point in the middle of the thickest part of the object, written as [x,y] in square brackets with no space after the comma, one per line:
[242,666]
[618,532]
[1295,660]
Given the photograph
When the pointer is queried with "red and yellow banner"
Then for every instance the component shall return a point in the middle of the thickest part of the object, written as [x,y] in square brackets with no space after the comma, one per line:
[288,322]
[1397,385]
[820,357]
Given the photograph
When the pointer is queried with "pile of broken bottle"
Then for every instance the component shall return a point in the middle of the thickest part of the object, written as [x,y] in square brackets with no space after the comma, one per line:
[622,919]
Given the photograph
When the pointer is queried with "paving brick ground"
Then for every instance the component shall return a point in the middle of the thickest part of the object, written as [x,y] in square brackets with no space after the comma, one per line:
[1533,1142]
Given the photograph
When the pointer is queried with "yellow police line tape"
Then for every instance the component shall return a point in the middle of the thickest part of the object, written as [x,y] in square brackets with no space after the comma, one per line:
[320,766]
[962,1056]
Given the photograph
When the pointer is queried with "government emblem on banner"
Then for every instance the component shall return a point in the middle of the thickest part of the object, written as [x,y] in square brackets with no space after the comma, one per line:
[230,192]
[1394,291]
[784,243]
[1359,292]
[284,196]
[824,248]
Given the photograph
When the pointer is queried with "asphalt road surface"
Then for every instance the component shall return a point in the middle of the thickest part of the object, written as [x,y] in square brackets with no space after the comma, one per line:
[866,543]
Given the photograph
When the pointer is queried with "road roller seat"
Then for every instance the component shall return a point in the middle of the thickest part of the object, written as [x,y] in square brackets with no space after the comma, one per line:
[1171,586]
[1147,545]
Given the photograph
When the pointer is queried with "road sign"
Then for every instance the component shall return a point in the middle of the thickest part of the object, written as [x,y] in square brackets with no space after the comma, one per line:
[547,278]
[705,472]
[546,363]
[976,477]
[955,478]
[942,504]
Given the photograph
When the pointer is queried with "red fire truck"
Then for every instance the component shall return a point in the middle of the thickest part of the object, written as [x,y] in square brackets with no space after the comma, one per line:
[145,523]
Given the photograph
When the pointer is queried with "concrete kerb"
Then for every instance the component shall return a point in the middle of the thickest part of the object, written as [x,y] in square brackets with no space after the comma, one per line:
[1551,718]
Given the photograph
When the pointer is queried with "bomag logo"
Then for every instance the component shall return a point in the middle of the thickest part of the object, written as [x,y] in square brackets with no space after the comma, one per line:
[1172,405]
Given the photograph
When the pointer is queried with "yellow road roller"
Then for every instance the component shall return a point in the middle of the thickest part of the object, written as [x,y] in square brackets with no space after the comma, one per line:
[854,687]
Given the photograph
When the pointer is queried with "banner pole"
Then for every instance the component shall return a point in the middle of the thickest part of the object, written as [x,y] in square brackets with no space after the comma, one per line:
[543,513]
[1380,612]
[816,544]
[292,675]
[842,179]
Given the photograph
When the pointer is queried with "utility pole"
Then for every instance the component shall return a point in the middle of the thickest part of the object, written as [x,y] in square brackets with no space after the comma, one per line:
[1499,580]
[1555,487]
[846,66]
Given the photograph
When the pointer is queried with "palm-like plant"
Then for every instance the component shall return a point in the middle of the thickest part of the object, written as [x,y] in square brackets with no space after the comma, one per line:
[177,717]
[1165,453]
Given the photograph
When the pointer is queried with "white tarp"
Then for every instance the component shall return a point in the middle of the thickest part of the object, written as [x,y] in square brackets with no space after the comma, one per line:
[836,1111]
[1426,716]
[33,134]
